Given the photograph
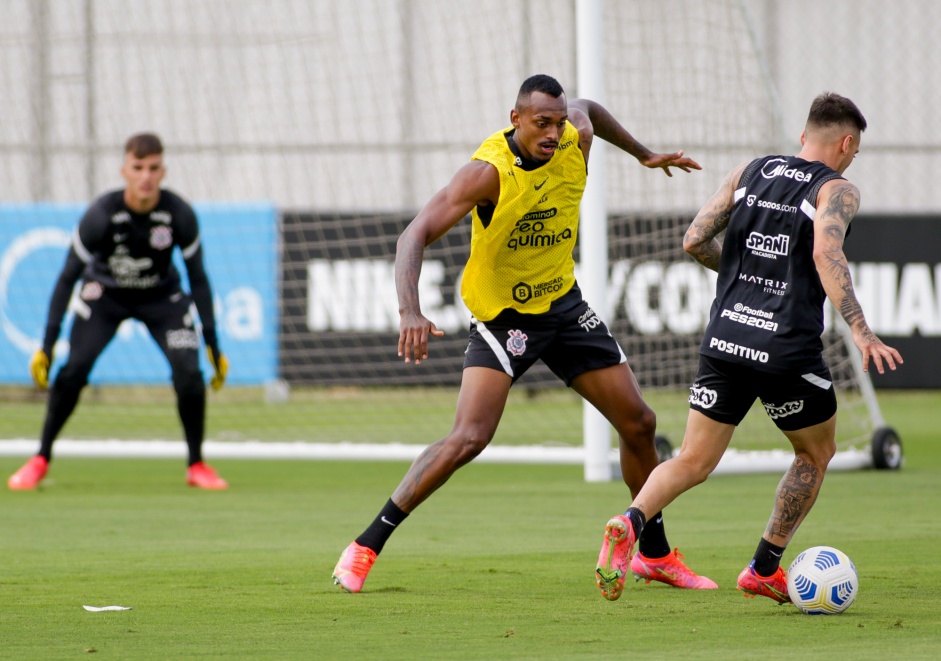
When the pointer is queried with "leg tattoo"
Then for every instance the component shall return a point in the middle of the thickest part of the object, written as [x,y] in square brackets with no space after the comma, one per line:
[796,494]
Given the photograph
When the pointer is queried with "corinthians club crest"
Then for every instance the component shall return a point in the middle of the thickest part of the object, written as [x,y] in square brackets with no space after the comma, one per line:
[161,237]
[516,342]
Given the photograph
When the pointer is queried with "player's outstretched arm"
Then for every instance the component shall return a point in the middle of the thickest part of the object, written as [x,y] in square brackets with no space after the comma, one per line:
[700,239]
[606,127]
[475,183]
[837,204]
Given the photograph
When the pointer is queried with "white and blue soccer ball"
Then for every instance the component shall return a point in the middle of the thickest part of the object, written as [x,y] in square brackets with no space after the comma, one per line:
[822,581]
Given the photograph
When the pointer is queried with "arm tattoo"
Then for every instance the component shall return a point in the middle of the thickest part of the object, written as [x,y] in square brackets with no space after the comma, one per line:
[850,309]
[839,211]
[700,241]
[704,247]
[795,496]
[843,204]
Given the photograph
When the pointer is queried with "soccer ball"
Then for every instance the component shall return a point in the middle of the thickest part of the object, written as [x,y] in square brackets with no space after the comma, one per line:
[822,581]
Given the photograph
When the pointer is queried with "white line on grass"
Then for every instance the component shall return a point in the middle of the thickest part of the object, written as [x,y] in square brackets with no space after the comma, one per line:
[733,461]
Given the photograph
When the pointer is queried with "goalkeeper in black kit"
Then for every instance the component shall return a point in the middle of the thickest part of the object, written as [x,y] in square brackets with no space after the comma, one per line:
[122,253]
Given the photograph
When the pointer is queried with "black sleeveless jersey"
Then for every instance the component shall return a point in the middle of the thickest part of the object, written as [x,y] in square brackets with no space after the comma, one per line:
[768,310]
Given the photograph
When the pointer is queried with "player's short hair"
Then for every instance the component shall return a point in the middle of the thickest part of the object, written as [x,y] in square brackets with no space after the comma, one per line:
[538,83]
[831,109]
[141,145]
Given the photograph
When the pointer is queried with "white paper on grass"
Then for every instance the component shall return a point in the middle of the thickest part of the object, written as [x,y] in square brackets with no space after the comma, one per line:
[98,609]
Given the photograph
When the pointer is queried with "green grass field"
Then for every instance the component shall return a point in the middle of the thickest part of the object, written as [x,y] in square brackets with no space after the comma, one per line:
[497,565]
[363,415]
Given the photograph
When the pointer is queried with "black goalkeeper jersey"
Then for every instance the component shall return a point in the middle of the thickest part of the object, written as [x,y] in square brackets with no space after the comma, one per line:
[130,254]
[122,249]
[768,310]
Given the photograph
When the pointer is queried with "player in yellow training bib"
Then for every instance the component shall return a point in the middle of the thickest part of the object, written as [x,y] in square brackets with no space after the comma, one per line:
[521,248]
[523,188]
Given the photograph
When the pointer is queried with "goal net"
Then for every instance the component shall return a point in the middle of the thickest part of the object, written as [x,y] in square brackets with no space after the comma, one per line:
[308,134]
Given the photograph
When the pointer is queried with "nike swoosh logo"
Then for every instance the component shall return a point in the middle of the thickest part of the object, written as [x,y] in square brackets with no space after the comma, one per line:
[776,555]
[538,186]
[385,520]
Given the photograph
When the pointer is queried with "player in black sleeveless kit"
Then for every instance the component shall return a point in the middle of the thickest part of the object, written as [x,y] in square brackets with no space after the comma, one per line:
[785,219]
[122,251]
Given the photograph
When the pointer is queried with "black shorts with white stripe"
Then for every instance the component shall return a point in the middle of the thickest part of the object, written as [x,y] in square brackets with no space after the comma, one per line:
[570,339]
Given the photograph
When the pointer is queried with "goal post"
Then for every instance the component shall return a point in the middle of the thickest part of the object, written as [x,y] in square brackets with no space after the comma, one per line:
[593,221]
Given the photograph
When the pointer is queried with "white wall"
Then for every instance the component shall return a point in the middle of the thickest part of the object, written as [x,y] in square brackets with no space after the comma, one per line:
[371,104]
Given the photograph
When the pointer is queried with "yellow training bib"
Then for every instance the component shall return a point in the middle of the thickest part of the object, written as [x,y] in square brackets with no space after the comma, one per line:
[522,258]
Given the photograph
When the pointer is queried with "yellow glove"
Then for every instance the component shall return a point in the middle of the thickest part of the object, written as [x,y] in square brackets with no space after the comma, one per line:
[221,367]
[39,368]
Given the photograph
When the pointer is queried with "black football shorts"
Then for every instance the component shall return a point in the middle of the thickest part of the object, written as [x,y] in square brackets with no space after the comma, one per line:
[570,339]
[725,391]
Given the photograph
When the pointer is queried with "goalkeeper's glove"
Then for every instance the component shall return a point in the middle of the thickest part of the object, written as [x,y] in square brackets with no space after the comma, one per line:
[39,368]
[220,365]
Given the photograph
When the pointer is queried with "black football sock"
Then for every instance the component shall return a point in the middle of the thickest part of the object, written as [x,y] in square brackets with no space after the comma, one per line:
[62,402]
[379,531]
[767,557]
[653,541]
[192,410]
[638,521]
